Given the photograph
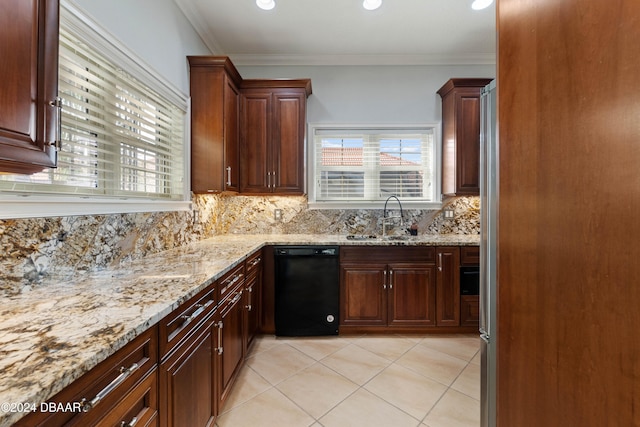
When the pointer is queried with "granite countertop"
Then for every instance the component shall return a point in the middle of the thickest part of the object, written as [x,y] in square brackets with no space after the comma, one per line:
[53,334]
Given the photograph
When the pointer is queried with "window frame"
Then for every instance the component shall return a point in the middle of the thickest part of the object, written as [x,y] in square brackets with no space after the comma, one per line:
[314,203]
[17,204]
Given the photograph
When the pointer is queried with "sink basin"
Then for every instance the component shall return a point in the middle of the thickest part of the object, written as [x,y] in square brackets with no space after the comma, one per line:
[361,237]
[397,237]
[373,237]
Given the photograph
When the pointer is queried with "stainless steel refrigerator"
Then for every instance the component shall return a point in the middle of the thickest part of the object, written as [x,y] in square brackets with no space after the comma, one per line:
[488,238]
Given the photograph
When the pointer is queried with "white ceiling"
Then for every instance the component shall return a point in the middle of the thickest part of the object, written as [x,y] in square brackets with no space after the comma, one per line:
[331,32]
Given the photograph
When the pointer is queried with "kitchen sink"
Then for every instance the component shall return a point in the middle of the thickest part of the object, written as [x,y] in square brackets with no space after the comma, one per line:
[361,237]
[373,237]
[405,237]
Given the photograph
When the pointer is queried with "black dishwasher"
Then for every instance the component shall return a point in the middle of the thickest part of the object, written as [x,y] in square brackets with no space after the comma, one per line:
[307,290]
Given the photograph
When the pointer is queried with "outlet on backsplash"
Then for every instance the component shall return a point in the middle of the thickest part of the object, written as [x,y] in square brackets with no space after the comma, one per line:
[448,213]
[277,214]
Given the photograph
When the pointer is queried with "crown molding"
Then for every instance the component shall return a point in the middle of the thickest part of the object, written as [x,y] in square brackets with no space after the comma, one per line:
[258,60]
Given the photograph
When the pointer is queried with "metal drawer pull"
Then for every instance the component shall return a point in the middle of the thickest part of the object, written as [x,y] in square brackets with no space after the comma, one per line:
[198,312]
[384,283]
[255,262]
[391,279]
[124,374]
[228,175]
[440,262]
[249,307]
[131,423]
[232,281]
[236,298]
[219,325]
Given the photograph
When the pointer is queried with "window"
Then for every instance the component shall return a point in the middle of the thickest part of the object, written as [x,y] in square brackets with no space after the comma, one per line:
[364,165]
[122,127]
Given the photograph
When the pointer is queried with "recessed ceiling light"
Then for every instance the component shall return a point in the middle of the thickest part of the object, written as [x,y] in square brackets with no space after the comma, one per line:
[481,4]
[371,4]
[266,4]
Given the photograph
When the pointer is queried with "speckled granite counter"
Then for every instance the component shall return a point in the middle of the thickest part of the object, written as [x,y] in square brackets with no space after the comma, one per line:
[53,334]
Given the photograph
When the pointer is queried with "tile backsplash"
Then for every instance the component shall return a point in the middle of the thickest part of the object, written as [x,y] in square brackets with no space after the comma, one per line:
[34,248]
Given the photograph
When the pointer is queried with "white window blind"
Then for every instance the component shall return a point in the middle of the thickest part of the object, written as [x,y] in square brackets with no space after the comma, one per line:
[119,137]
[365,164]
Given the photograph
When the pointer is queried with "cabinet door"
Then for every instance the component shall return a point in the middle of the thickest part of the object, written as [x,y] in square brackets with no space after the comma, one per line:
[29,76]
[363,294]
[255,173]
[231,136]
[461,135]
[468,142]
[412,297]
[448,286]
[207,129]
[187,382]
[289,117]
[231,344]
[469,310]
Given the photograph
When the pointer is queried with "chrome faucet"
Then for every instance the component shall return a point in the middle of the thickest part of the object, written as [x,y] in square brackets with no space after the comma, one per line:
[387,219]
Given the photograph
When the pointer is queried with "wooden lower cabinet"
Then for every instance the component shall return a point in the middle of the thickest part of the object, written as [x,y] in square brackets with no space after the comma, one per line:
[409,289]
[363,294]
[230,347]
[448,286]
[253,298]
[138,408]
[412,295]
[187,381]
[469,310]
[388,294]
[387,288]
[119,389]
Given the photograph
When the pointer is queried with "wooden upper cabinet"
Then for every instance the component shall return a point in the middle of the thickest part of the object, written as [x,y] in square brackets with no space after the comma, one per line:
[29,115]
[256,108]
[273,133]
[215,121]
[231,135]
[246,135]
[461,136]
[289,120]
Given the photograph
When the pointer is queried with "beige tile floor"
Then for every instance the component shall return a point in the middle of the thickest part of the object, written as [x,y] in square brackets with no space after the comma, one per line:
[372,381]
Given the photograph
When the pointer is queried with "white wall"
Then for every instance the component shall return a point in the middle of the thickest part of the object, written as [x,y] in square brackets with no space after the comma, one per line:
[372,94]
[156,30]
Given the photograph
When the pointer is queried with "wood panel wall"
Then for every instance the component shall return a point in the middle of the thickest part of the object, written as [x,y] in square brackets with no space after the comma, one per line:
[569,213]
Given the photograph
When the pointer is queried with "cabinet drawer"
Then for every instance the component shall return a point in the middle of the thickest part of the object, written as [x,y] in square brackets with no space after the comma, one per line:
[233,295]
[176,326]
[469,310]
[425,254]
[254,263]
[470,255]
[230,281]
[101,389]
[139,407]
